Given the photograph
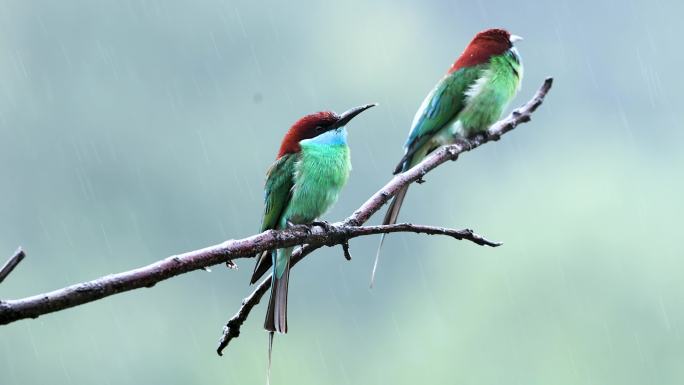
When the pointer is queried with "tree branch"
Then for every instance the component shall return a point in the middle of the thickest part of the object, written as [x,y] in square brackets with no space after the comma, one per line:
[311,237]
[522,114]
[148,276]
[11,263]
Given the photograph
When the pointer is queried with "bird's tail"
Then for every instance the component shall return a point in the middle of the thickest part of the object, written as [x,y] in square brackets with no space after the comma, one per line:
[390,218]
[262,265]
[270,350]
[276,315]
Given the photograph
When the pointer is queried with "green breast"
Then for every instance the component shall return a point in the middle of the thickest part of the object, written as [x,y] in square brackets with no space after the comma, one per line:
[491,93]
[320,174]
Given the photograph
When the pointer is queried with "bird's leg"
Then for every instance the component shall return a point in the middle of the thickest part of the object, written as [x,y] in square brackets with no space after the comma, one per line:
[295,226]
[465,143]
[325,225]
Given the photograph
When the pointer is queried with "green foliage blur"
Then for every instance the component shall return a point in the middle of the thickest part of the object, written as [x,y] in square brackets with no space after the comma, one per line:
[131,130]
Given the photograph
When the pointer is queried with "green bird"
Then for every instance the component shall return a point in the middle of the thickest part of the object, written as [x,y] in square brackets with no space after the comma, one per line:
[466,101]
[305,180]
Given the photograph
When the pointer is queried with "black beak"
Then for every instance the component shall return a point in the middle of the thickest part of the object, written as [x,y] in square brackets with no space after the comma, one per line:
[348,115]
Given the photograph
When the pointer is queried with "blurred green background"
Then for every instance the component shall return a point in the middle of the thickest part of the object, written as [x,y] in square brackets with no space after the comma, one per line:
[131,130]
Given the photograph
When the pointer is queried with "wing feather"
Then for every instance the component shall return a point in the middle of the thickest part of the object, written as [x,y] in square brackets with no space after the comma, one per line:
[440,107]
[277,195]
[278,190]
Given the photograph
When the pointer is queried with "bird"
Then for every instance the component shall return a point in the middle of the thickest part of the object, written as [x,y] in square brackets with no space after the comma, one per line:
[312,166]
[466,101]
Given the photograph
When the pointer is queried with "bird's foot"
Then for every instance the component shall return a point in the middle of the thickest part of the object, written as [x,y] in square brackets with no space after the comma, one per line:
[325,225]
[295,226]
[231,265]
[464,143]
[489,136]
[420,180]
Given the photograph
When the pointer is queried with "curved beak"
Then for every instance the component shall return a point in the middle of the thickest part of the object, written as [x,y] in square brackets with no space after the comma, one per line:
[350,114]
[515,38]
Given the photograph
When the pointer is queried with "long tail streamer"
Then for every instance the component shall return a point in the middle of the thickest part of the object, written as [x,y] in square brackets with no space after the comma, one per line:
[270,350]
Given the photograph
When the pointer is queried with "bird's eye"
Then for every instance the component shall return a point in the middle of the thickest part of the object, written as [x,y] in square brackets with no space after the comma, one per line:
[319,128]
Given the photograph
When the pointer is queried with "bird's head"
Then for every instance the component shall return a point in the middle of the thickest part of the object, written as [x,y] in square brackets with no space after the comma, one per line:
[499,38]
[312,125]
[485,44]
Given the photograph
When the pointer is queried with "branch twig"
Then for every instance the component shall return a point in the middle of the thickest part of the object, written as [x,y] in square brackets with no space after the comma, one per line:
[148,276]
[522,114]
[345,250]
[232,328]
[11,263]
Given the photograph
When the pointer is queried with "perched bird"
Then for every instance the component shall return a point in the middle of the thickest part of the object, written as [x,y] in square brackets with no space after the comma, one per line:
[466,101]
[305,180]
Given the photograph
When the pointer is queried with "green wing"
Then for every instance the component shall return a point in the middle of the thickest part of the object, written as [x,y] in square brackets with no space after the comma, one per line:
[441,105]
[277,192]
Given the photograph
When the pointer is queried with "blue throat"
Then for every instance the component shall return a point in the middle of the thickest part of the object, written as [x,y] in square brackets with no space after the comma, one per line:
[335,137]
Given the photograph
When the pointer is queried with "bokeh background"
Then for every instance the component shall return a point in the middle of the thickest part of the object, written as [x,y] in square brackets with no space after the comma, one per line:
[132,130]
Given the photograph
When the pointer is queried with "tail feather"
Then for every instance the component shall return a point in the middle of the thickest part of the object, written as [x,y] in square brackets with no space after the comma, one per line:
[390,218]
[401,166]
[262,266]
[377,259]
[393,210]
[270,350]
[276,316]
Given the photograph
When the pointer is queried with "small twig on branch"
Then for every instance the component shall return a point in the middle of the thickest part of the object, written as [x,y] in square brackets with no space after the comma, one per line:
[11,263]
[345,250]
[232,328]
[522,114]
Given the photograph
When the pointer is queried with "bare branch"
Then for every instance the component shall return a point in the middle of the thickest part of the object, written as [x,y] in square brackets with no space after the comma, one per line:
[148,276]
[522,114]
[232,328]
[11,263]
[312,238]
